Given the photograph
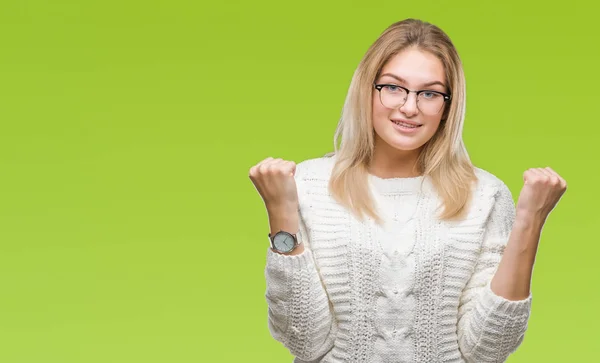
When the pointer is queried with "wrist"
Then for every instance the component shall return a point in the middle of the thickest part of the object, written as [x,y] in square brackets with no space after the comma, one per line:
[281,208]
[525,237]
[287,225]
[528,220]
[283,220]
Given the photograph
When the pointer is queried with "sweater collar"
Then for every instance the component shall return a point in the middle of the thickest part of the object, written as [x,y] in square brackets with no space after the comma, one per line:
[398,185]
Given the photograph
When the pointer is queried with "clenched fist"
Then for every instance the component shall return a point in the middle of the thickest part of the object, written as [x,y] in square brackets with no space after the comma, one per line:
[274,181]
[542,190]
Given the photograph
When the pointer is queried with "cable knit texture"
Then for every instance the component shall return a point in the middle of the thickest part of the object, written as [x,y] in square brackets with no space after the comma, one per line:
[416,289]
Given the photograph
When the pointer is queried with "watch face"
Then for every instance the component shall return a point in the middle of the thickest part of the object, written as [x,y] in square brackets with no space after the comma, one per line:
[283,242]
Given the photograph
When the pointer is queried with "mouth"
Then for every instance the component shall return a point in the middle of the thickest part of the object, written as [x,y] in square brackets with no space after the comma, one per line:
[405,124]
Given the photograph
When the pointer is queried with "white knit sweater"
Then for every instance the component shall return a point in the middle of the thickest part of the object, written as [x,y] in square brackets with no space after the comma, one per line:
[414,290]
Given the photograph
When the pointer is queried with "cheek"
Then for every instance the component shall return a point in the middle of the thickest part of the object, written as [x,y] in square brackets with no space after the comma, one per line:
[379,112]
[432,123]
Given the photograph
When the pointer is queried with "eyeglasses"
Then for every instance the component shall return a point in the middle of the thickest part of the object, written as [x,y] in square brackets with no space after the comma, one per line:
[394,96]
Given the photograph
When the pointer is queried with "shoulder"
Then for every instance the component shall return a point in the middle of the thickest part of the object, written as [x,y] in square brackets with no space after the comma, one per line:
[315,169]
[488,182]
[486,178]
[493,190]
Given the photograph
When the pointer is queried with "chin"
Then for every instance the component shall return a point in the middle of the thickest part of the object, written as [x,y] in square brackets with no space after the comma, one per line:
[405,147]
[403,143]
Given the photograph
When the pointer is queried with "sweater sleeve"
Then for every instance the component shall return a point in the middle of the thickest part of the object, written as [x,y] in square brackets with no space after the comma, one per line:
[300,315]
[490,327]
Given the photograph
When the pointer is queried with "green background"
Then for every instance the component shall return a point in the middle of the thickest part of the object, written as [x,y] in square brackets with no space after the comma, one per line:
[129,229]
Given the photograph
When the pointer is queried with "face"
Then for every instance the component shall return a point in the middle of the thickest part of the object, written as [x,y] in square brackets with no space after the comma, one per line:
[416,70]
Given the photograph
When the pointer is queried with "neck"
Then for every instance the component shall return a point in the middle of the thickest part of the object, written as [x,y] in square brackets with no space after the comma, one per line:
[388,162]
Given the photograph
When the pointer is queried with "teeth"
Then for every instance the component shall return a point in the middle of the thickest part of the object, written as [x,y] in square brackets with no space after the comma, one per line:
[405,124]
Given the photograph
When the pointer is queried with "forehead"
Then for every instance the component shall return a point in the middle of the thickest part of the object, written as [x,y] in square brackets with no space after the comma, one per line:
[416,67]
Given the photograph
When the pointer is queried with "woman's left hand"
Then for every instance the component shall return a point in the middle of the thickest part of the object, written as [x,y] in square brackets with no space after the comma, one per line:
[542,190]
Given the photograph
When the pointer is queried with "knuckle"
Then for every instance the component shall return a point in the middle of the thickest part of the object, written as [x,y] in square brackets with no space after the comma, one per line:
[271,170]
[263,167]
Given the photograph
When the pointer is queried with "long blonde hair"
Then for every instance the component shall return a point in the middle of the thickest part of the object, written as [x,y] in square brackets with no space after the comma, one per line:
[443,158]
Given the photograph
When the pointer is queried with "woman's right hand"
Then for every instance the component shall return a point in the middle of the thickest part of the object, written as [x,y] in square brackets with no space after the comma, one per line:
[274,181]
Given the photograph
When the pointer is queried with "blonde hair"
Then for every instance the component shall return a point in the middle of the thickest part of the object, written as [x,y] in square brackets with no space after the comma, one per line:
[443,158]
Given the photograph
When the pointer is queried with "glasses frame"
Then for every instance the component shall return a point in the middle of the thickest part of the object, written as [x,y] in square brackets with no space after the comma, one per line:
[379,86]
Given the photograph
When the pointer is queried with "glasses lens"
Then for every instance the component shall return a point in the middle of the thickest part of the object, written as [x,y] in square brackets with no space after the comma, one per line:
[392,96]
[430,103]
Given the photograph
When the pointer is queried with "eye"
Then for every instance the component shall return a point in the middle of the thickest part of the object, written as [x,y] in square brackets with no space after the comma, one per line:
[393,89]
[430,95]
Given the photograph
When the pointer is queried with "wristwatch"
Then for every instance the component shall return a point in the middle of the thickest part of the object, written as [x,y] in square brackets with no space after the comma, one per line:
[283,241]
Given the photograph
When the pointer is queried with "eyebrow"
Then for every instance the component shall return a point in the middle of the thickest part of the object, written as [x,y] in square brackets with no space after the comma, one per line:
[428,84]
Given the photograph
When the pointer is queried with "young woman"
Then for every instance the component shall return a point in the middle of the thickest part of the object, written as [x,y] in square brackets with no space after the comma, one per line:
[395,247]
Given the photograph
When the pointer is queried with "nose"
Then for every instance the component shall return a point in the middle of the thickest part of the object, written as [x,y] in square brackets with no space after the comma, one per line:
[409,108]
